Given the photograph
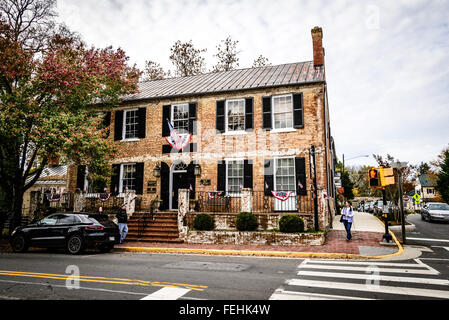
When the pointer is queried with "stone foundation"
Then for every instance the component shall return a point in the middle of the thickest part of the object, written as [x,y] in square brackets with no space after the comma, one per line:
[254,238]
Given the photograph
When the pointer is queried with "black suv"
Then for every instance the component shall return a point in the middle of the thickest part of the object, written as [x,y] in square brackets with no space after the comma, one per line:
[73,231]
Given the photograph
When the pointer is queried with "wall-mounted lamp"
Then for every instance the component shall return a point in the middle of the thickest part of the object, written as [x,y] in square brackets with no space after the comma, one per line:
[157,171]
[197,170]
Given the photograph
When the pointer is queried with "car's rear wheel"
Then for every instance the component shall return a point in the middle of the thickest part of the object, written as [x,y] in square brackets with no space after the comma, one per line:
[19,243]
[75,244]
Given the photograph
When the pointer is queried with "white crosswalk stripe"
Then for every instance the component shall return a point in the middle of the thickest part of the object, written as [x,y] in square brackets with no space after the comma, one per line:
[334,280]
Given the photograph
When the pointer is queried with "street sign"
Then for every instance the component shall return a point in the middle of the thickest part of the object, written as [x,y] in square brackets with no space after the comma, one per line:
[405,198]
[417,198]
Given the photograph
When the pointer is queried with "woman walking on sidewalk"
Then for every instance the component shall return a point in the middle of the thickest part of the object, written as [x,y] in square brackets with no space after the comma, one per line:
[348,218]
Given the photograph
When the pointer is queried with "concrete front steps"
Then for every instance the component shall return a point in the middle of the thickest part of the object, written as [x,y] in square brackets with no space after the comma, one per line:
[163,228]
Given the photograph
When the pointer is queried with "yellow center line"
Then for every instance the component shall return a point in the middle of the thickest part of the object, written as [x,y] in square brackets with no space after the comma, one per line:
[102,280]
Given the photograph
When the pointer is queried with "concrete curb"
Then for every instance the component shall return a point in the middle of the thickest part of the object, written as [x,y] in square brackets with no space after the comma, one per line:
[279,254]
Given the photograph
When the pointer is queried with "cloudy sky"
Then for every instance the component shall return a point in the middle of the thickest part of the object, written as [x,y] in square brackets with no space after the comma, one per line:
[386,61]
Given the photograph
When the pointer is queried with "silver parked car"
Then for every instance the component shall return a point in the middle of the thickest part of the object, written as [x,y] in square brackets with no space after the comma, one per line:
[435,211]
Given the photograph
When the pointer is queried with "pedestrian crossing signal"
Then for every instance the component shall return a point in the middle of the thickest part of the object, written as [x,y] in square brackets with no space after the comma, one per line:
[374,177]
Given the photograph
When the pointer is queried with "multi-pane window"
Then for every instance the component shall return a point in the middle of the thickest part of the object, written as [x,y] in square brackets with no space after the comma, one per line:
[131,124]
[234,175]
[283,112]
[235,120]
[128,177]
[181,118]
[285,174]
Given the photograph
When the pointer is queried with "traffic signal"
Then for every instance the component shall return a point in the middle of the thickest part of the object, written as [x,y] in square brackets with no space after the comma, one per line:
[386,176]
[374,177]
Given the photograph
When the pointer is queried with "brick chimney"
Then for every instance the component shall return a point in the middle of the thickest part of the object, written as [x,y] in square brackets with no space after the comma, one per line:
[318,50]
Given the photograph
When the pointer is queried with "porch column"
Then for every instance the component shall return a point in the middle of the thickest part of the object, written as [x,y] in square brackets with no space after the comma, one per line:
[79,202]
[130,200]
[246,200]
[183,208]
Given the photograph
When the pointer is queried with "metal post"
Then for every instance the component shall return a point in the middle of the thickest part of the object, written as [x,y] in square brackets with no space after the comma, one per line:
[387,236]
[401,205]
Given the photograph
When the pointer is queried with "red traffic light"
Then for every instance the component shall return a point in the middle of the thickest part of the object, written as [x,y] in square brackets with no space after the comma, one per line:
[374,180]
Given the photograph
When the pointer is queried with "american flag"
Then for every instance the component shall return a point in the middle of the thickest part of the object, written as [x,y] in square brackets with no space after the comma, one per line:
[174,134]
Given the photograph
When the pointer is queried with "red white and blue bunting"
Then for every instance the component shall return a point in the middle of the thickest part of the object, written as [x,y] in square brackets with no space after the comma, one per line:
[281,195]
[213,194]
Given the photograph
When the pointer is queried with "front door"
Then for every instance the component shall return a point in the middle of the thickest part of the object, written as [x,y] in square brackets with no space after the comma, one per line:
[179,180]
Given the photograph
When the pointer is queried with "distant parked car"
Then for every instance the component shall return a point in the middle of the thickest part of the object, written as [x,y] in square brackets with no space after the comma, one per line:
[378,206]
[72,231]
[371,207]
[435,211]
[366,206]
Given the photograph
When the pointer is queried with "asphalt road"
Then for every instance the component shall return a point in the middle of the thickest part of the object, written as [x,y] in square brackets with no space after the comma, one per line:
[434,238]
[41,275]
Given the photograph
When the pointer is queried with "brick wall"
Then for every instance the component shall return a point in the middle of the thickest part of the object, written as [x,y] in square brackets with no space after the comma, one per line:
[256,145]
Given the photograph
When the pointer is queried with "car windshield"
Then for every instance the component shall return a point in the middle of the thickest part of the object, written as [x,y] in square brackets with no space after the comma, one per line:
[438,206]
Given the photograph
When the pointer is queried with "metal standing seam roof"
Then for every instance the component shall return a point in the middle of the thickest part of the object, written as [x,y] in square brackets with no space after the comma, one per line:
[240,79]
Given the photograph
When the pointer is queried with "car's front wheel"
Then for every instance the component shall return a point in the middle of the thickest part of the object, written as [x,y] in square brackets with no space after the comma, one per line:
[19,243]
[75,244]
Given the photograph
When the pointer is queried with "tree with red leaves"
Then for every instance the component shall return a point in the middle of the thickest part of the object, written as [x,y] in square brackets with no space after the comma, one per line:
[51,100]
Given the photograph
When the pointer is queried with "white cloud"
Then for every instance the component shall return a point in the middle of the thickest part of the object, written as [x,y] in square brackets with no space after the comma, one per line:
[385,60]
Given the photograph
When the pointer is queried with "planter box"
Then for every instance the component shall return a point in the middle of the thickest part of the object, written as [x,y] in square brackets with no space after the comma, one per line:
[254,238]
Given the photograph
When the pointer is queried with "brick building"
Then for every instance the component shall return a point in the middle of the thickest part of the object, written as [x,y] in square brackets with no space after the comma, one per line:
[251,128]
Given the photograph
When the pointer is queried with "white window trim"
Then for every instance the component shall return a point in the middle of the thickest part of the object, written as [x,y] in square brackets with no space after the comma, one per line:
[275,170]
[172,111]
[120,189]
[234,132]
[233,194]
[290,129]
[124,125]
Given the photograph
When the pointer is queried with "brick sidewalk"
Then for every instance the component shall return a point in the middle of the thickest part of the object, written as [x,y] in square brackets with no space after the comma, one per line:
[335,243]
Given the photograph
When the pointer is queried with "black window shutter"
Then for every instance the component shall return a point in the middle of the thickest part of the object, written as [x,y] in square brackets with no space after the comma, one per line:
[268,177]
[220,116]
[80,177]
[248,174]
[192,117]
[266,113]
[300,167]
[249,107]
[115,179]
[139,177]
[142,122]
[165,192]
[118,125]
[298,111]
[166,114]
[221,176]
[107,123]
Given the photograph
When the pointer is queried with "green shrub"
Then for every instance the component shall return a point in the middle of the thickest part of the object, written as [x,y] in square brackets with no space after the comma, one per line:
[246,221]
[290,223]
[203,222]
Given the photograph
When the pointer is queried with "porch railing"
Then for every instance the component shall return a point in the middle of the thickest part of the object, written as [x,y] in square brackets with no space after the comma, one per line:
[261,203]
[216,202]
